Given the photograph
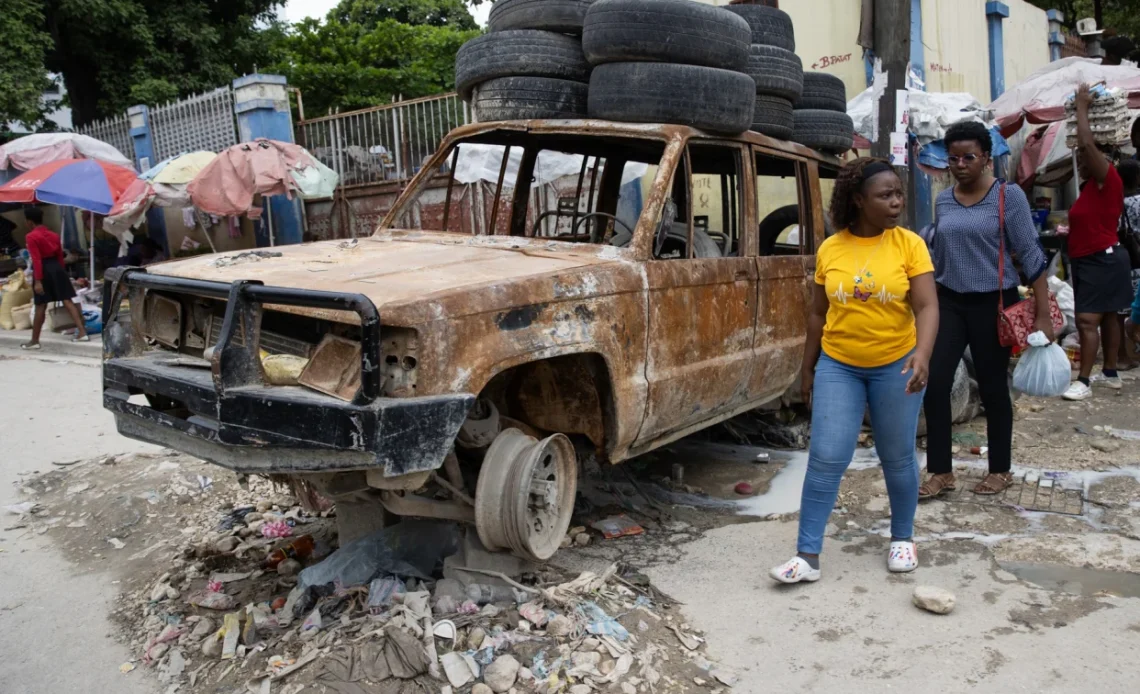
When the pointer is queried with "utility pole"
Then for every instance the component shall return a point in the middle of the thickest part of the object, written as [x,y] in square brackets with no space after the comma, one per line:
[892,47]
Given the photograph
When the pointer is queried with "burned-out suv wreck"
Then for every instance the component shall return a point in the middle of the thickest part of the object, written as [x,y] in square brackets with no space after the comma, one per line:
[540,289]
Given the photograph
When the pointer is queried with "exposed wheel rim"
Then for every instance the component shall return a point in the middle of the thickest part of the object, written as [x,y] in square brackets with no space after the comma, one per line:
[525,495]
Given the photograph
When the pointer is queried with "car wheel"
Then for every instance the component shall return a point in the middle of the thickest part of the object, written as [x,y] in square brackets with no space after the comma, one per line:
[665,31]
[773,117]
[770,26]
[823,92]
[701,97]
[562,16]
[519,53]
[777,72]
[524,98]
[827,131]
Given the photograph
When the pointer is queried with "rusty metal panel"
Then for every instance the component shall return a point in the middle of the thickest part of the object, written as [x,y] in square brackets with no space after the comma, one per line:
[701,322]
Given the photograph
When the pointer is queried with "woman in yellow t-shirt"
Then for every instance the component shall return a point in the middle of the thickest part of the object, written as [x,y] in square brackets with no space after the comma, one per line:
[870,333]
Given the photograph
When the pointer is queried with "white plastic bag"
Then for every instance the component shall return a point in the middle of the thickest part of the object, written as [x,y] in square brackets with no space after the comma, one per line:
[1043,370]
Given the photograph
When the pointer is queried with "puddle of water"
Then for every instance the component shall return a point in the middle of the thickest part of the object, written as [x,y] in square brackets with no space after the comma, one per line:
[783,495]
[1076,581]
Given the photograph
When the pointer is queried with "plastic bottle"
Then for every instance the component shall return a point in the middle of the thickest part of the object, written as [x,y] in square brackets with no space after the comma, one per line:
[299,549]
[482,594]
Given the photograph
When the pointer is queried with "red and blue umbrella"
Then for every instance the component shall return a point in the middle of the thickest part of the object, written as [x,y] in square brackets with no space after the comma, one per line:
[87,184]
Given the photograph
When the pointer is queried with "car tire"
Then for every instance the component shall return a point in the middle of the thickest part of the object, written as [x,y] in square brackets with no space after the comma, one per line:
[777,72]
[823,92]
[702,97]
[773,117]
[665,31]
[526,98]
[770,26]
[523,52]
[826,131]
[562,16]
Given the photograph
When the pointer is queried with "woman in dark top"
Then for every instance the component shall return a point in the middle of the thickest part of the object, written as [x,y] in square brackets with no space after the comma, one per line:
[964,247]
[1102,271]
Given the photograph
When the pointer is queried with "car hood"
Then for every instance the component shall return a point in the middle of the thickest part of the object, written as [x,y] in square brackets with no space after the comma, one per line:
[395,268]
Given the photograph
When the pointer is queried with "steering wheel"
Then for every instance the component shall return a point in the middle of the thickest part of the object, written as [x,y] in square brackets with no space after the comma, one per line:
[606,215]
[538,222]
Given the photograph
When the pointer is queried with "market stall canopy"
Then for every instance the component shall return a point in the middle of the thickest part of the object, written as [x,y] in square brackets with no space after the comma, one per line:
[1040,98]
[28,152]
[84,183]
[228,184]
[164,185]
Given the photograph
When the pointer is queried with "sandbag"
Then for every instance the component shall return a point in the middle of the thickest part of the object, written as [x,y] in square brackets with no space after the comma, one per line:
[283,369]
[22,317]
[11,299]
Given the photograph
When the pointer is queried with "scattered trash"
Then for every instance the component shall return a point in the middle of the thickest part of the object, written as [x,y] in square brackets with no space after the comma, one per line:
[932,599]
[127,667]
[409,548]
[617,526]
[213,600]
[299,549]
[116,542]
[600,623]
[445,629]
[744,489]
[204,482]
[276,529]
[1126,434]
[687,640]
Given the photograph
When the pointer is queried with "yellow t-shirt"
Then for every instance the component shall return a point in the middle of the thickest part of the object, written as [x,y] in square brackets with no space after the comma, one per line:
[869,321]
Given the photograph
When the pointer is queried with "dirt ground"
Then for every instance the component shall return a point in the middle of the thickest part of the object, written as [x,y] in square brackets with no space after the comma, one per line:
[1046,600]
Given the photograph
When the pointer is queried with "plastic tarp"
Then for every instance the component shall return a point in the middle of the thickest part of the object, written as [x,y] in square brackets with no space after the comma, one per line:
[28,152]
[483,162]
[1040,98]
[930,114]
[227,185]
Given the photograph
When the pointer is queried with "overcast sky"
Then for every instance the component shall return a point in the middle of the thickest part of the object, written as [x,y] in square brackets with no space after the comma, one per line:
[296,10]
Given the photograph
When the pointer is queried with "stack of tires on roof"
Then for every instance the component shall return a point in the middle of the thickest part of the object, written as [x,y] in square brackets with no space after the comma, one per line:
[652,61]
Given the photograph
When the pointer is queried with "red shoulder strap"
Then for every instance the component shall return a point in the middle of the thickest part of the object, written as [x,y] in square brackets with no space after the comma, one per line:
[1001,245]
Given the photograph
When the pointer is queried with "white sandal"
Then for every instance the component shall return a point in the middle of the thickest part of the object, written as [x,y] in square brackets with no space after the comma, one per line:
[795,570]
[902,557]
[31,346]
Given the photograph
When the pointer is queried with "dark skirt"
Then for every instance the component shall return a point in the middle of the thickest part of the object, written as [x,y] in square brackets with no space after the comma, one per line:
[1102,282]
[57,285]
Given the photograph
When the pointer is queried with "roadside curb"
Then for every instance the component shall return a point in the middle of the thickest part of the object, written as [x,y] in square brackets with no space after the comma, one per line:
[53,344]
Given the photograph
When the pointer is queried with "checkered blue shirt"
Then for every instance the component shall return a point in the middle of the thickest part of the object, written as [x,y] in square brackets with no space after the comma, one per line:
[964,246]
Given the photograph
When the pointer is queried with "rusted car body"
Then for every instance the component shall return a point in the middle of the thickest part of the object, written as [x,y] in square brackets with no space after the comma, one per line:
[620,335]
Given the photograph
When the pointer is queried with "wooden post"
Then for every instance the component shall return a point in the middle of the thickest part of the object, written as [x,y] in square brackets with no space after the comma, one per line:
[892,47]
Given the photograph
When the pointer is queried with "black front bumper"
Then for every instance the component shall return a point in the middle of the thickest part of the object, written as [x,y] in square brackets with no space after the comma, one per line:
[227,415]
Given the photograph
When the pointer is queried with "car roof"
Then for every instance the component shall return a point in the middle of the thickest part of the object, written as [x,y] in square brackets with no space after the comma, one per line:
[656,131]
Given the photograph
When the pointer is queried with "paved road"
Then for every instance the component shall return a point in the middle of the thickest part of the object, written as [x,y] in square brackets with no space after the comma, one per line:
[54,632]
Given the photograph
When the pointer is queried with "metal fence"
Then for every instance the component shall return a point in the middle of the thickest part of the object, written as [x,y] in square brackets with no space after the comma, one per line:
[383,143]
[115,131]
[201,122]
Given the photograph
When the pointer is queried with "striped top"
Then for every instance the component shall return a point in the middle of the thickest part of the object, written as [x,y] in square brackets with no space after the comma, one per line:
[965,242]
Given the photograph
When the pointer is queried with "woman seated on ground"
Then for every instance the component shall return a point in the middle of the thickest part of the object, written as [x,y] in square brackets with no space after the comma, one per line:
[870,333]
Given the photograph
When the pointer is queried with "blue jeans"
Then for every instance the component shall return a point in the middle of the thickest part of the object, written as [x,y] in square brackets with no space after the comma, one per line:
[840,396]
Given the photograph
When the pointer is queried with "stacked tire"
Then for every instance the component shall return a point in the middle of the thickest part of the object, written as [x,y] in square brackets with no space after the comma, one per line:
[669,61]
[821,120]
[775,67]
[529,65]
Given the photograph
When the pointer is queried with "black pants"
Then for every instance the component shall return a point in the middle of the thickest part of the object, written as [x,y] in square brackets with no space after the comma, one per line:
[969,320]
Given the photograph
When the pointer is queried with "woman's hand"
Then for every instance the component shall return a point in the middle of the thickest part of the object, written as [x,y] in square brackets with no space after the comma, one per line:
[807,383]
[38,287]
[1045,324]
[1084,98]
[919,368]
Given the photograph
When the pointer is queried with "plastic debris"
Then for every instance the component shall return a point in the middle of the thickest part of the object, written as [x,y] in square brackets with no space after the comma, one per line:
[382,591]
[617,526]
[409,548]
[276,529]
[213,600]
[601,624]
[535,613]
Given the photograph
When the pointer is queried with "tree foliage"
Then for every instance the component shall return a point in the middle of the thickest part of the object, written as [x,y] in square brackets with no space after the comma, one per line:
[1120,16]
[23,44]
[368,51]
[117,53]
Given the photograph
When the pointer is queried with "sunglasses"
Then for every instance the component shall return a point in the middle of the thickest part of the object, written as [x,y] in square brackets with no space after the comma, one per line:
[968,159]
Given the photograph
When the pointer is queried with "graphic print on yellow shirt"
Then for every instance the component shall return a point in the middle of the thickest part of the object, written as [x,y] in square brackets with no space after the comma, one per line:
[869,318]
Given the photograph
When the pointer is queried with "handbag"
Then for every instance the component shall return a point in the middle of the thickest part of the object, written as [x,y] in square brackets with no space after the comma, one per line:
[1128,239]
[1016,322]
